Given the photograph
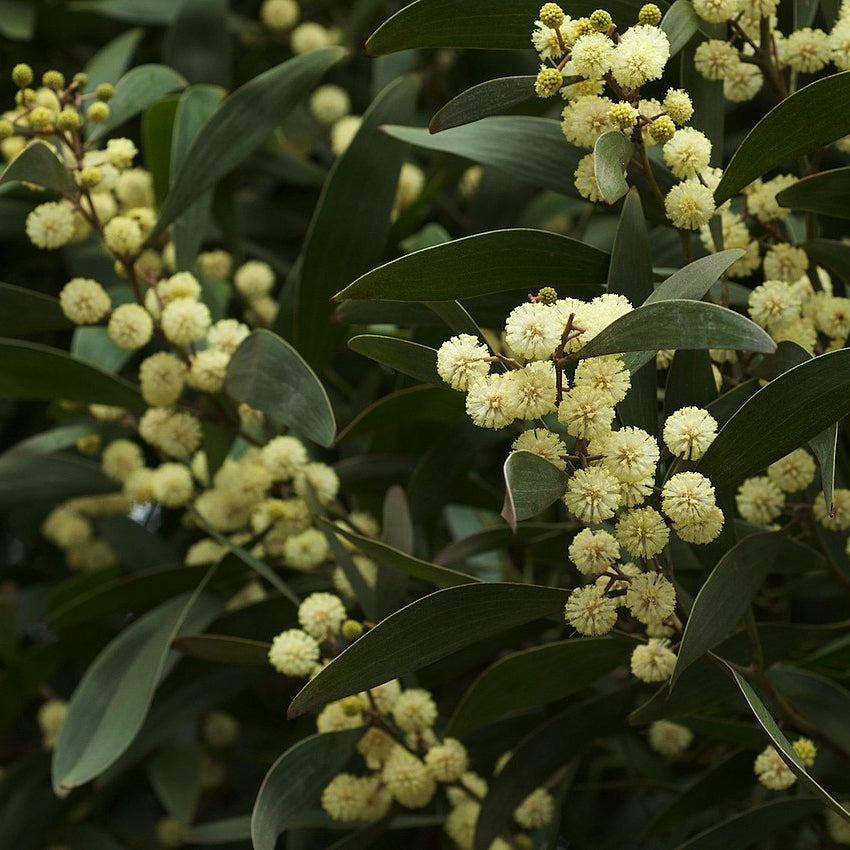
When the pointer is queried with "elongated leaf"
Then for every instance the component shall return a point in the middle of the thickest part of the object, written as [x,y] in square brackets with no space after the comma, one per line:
[498,537]
[404,563]
[783,745]
[267,373]
[779,418]
[491,262]
[37,163]
[226,831]
[44,443]
[222,649]
[696,278]
[611,155]
[493,24]
[134,11]
[136,91]
[827,193]
[109,705]
[425,631]
[295,783]
[174,775]
[536,677]
[800,124]
[549,747]
[94,346]
[825,446]
[198,43]
[531,485]
[679,324]
[240,126]
[36,371]
[503,141]
[47,478]
[24,311]
[726,596]
[489,98]
[112,60]
[739,831]
[680,23]
[834,256]
[409,358]
[17,20]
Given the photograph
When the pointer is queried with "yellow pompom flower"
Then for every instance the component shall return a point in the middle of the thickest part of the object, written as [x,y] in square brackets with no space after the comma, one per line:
[294,653]
[593,495]
[84,301]
[590,612]
[651,597]
[130,326]
[653,661]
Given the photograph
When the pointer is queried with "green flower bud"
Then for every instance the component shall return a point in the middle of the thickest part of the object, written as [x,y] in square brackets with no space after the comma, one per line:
[583,26]
[548,82]
[6,129]
[90,176]
[105,91]
[351,630]
[551,15]
[41,119]
[649,15]
[53,79]
[81,79]
[69,119]
[623,116]
[662,128]
[547,295]
[22,75]
[98,112]
[25,97]
[601,20]
[677,104]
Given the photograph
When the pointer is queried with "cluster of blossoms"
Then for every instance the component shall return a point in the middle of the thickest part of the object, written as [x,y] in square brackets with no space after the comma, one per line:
[612,471]
[772,772]
[588,57]
[403,761]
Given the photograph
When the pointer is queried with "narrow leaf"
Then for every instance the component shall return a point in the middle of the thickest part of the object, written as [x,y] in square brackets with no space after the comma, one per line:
[409,358]
[225,831]
[611,155]
[112,699]
[37,163]
[223,649]
[113,59]
[25,311]
[827,193]
[267,373]
[502,141]
[801,123]
[491,262]
[679,324]
[489,98]
[531,485]
[696,278]
[425,631]
[726,595]
[174,774]
[680,23]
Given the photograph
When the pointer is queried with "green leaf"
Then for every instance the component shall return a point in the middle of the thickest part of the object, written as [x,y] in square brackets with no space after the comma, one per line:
[198,44]
[488,98]
[296,781]
[690,381]
[240,125]
[25,311]
[225,831]
[37,163]
[223,649]
[409,358]
[678,324]
[726,595]
[34,371]
[112,699]
[680,23]
[503,141]
[825,193]
[801,123]
[113,59]
[531,485]
[779,418]
[825,447]
[48,478]
[93,345]
[157,136]
[425,631]
[491,262]
[783,745]
[536,677]
[696,278]
[174,775]
[136,91]
[834,256]
[134,11]
[404,563]
[267,373]
[17,20]
[749,827]
[195,107]
[497,537]
[493,24]
[348,232]
[611,155]
[415,404]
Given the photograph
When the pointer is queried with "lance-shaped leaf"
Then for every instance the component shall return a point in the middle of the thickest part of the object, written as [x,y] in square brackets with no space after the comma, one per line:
[783,745]
[296,781]
[240,125]
[780,417]
[726,595]
[827,193]
[679,324]
[174,774]
[37,163]
[136,91]
[801,123]
[680,23]
[611,155]
[505,142]
[34,371]
[497,261]
[224,649]
[492,24]
[113,59]
[531,485]
[224,831]
[267,373]
[25,311]
[536,677]
[833,255]
[696,278]
[489,98]
[112,699]
[409,358]
[425,631]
